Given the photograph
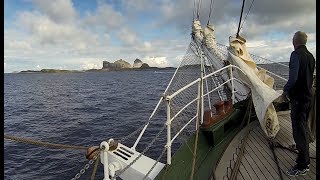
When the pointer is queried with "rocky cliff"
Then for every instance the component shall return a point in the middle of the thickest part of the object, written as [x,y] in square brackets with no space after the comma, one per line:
[119,64]
[137,63]
[122,64]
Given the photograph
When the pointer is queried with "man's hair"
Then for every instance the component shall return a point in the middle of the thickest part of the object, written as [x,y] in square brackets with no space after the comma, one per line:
[300,38]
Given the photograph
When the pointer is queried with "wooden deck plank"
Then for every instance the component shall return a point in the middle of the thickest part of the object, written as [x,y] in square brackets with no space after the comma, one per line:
[285,157]
[294,155]
[243,172]
[258,161]
[287,126]
[285,137]
[284,164]
[254,168]
[240,177]
[247,167]
[266,157]
[224,162]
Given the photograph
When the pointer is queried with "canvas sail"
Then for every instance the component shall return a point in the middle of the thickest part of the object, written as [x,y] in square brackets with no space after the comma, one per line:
[260,83]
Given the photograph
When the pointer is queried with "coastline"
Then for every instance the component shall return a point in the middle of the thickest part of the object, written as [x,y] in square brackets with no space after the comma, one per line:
[93,70]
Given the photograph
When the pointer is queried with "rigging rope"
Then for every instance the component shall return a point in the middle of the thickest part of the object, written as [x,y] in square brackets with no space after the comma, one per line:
[46,144]
[246,15]
[194,8]
[278,145]
[195,152]
[211,4]
[95,167]
[198,12]
[271,145]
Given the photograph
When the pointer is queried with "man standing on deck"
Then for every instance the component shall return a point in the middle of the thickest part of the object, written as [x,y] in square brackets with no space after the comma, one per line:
[298,91]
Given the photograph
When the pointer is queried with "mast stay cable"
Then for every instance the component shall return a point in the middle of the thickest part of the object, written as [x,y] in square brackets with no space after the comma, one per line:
[198,12]
[211,4]
[194,9]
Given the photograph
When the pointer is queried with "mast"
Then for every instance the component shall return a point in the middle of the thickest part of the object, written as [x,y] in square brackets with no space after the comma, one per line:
[240,18]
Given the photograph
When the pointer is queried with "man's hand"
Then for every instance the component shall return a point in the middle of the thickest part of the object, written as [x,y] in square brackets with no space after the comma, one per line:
[285,97]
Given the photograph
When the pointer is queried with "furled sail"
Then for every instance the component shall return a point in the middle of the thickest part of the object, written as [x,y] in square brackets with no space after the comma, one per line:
[197,30]
[209,41]
[260,83]
[216,56]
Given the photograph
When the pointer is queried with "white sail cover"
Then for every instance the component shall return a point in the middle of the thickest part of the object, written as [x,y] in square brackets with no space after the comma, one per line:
[210,43]
[260,83]
[197,30]
[216,55]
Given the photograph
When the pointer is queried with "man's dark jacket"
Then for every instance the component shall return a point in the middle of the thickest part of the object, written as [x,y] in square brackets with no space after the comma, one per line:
[301,91]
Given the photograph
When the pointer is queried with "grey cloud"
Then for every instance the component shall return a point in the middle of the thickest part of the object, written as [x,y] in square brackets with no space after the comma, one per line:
[271,15]
[271,22]
[105,17]
[60,11]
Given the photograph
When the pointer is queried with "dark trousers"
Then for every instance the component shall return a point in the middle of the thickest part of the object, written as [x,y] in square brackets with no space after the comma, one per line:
[299,117]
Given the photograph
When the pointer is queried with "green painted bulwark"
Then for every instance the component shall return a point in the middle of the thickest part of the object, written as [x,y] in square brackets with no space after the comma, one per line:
[212,142]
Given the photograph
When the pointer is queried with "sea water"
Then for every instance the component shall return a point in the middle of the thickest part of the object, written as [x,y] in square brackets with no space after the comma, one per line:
[76,109]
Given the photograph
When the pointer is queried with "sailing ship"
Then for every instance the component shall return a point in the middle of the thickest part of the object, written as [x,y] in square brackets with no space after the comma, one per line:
[216,100]
[216,97]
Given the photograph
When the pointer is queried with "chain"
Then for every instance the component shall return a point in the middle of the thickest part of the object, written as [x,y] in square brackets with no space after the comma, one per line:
[158,159]
[145,150]
[86,166]
[154,165]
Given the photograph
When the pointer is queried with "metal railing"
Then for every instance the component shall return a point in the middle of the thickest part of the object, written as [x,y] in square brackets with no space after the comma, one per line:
[199,99]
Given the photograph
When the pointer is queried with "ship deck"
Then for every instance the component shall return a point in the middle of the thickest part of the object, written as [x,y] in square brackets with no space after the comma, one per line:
[258,161]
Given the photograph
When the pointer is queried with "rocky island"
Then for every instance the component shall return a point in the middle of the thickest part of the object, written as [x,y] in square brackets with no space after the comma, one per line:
[51,71]
[119,65]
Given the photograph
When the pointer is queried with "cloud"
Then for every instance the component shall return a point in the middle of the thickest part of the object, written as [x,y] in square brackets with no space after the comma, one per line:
[48,32]
[60,11]
[265,16]
[89,65]
[128,37]
[106,17]
[156,61]
[19,45]
[53,34]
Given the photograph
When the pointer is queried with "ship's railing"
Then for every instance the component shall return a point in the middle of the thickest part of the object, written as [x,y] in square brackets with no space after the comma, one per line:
[223,49]
[199,100]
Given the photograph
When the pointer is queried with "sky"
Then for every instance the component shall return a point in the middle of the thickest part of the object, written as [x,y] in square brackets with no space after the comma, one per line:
[80,34]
